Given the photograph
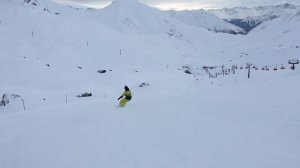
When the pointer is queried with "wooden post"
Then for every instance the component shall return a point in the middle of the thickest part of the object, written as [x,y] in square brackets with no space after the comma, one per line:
[23,104]
[233,69]
[249,65]
[223,71]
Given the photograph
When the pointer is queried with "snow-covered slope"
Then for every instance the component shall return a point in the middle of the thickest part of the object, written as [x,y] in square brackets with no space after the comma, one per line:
[172,123]
[202,18]
[84,38]
[183,118]
[282,32]
[274,41]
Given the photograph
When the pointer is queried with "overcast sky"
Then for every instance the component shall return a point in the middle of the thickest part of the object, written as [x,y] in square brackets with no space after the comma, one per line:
[185,4]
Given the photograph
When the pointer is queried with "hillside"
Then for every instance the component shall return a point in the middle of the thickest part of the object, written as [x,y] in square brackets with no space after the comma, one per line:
[279,39]
[201,18]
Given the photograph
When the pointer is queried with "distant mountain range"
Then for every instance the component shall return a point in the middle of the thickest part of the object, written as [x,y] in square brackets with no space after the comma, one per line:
[134,16]
[249,18]
[122,16]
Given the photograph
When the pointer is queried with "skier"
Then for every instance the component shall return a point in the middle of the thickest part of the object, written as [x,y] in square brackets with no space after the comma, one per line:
[127,98]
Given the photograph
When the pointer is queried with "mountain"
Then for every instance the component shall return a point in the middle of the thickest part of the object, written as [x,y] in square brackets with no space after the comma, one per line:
[244,12]
[274,41]
[132,16]
[249,18]
[122,16]
[202,18]
[286,26]
[249,23]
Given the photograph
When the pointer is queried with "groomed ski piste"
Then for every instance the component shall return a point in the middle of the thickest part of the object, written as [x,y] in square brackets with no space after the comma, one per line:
[182,118]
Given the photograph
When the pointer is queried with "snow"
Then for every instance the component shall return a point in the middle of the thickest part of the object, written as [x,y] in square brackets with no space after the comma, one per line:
[185,128]
[178,120]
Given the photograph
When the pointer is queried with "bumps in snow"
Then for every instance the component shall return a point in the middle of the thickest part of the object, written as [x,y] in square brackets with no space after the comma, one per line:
[144,84]
[85,95]
[186,69]
[103,71]
[4,100]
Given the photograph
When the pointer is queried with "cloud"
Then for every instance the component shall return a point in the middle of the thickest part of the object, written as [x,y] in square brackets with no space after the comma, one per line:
[185,4]
[85,3]
[181,5]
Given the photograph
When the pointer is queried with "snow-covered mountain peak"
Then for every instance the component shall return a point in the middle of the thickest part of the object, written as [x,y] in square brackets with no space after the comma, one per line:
[125,5]
[135,17]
